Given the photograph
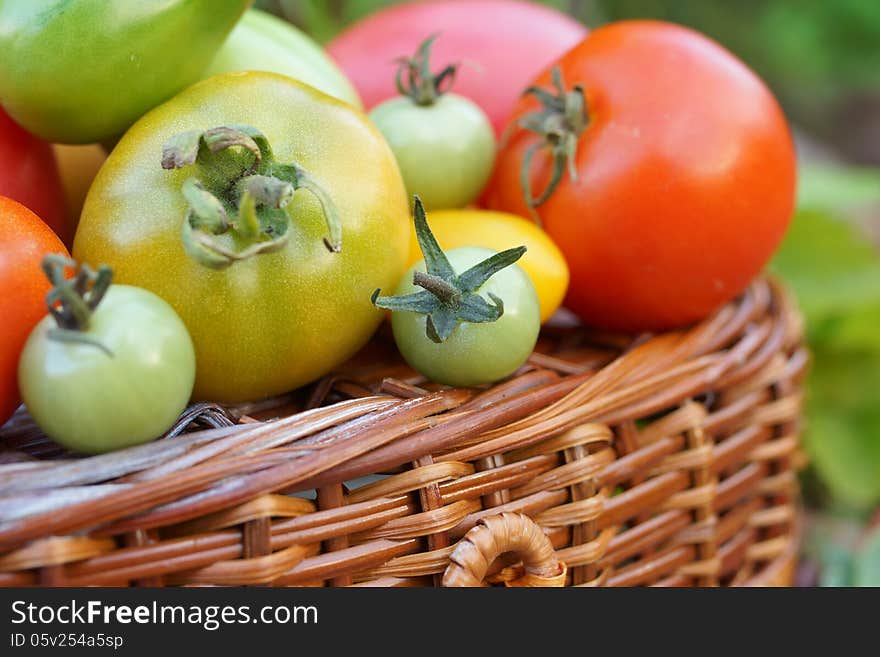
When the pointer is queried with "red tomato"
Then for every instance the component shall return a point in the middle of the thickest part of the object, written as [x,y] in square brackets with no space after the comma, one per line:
[685,177]
[507,43]
[24,240]
[29,174]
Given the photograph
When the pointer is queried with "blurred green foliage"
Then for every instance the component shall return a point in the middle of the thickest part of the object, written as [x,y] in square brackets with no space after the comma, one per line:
[866,566]
[835,272]
[846,552]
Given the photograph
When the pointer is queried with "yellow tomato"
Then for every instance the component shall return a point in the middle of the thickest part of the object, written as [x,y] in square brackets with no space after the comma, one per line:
[78,166]
[543,261]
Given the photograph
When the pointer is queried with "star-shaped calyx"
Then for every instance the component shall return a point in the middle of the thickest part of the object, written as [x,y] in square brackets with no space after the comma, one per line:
[558,123]
[421,85]
[449,298]
[238,189]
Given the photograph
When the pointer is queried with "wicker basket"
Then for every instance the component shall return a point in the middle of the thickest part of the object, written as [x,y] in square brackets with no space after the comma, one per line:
[606,461]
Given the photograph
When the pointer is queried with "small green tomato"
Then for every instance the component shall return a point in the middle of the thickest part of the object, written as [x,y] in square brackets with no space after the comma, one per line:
[443,325]
[97,378]
[443,142]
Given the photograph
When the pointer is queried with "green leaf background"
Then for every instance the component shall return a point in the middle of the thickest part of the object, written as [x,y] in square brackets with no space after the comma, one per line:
[834,270]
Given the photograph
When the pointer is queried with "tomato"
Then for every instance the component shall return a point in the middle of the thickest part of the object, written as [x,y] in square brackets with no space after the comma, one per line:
[503,44]
[684,174]
[29,174]
[262,42]
[24,240]
[82,71]
[247,267]
[447,329]
[543,261]
[78,166]
[442,141]
[115,375]
[445,151]
[475,353]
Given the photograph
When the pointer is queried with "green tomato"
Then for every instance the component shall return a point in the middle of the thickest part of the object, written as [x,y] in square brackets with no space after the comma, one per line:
[280,309]
[89,400]
[473,354]
[263,42]
[445,149]
[82,71]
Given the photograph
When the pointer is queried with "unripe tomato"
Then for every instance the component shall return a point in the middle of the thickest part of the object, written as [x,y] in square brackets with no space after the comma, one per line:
[475,353]
[443,142]
[82,71]
[465,317]
[445,150]
[263,42]
[121,380]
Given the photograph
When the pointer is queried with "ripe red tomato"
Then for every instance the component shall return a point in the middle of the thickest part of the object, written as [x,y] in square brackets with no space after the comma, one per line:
[506,42]
[24,240]
[685,176]
[29,174]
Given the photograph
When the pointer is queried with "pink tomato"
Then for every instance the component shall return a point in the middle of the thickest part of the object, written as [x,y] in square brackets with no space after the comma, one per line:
[504,44]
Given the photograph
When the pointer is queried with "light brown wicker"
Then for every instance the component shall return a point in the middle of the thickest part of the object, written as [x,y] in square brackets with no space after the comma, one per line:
[606,461]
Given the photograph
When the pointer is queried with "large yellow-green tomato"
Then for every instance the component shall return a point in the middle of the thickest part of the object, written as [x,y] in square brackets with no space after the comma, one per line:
[263,42]
[265,213]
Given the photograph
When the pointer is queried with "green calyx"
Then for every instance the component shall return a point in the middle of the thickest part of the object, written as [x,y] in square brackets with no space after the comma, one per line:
[559,123]
[421,85]
[449,298]
[238,190]
[72,301]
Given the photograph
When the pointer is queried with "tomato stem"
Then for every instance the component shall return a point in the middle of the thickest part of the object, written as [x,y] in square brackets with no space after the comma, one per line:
[72,301]
[421,85]
[448,298]
[240,192]
[559,124]
[446,292]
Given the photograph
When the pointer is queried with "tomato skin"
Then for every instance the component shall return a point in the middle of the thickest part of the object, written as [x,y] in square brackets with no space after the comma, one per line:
[82,71]
[24,240]
[78,166]
[89,401]
[508,42]
[276,321]
[29,175]
[445,150]
[686,177]
[263,42]
[543,261]
[474,354]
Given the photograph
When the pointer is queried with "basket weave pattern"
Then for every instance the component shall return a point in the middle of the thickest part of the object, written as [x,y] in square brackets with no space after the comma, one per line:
[606,461]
